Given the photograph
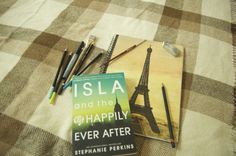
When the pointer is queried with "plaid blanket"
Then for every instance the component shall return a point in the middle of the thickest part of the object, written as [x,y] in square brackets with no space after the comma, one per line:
[33,35]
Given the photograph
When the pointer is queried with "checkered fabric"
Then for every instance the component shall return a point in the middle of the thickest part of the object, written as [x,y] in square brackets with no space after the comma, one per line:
[33,34]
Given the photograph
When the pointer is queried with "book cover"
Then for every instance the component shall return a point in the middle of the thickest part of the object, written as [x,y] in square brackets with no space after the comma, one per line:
[101,116]
[145,73]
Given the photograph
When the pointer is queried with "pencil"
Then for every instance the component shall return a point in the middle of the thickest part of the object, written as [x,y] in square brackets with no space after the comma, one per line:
[124,52]
[168,117]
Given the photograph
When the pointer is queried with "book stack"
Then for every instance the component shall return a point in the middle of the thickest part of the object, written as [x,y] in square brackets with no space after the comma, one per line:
[138,91]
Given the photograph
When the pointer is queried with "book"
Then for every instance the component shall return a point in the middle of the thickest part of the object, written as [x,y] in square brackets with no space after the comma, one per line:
[101,116]
[145,73]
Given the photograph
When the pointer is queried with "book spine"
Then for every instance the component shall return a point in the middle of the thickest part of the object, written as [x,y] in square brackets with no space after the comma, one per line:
[112,45]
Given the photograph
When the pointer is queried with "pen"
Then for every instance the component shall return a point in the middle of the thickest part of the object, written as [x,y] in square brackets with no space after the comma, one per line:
[64,66]
[57,74]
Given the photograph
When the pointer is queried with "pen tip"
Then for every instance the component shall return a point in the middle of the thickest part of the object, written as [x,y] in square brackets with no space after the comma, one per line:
[52,99]
[162,84]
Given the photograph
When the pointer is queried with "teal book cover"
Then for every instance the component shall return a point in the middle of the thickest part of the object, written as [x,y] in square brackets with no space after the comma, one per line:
[101,116]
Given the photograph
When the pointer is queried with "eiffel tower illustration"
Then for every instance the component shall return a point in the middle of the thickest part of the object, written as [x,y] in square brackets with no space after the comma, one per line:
[142,89]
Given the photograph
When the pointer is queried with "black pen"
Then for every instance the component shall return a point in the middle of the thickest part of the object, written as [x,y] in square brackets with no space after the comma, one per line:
[168,117]
[60,77]
[90,63]
[57,74]
[83,58]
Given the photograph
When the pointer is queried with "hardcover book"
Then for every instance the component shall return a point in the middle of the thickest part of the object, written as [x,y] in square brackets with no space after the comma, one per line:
[101,116]
[147,67]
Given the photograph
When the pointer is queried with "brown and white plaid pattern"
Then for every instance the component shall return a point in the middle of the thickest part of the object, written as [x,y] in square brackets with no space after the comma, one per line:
[33,35]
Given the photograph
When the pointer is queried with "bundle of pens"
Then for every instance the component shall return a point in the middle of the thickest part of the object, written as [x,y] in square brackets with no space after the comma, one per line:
[70,65]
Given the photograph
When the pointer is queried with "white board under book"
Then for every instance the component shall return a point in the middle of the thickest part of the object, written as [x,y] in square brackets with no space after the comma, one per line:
[162,68]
